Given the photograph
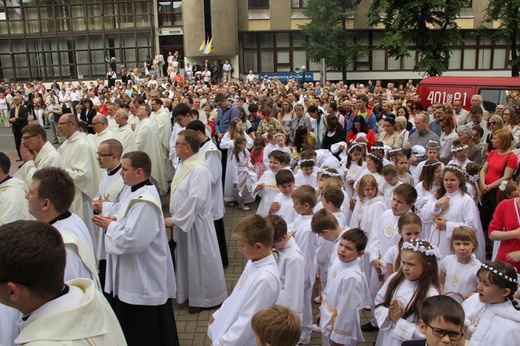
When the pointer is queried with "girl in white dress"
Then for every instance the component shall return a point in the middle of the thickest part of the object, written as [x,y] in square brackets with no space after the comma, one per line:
[430,178]
[492,317]
[398,300]
[245,177]
[451,207]
[228,142]
[458,274]
[354,165]
[375,168]
[409,228]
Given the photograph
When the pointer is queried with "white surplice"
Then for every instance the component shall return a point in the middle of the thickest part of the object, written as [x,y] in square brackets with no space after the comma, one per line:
[200,276]
[231,169]
[212,156]
[139,264]
[461,279]
[103,136]
[286,210]
[148,140]
[257,289]
[48,156]
[125,136]
[268,193]
[13,204]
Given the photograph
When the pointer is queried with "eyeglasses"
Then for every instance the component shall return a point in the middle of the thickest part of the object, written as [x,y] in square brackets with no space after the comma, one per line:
[104,155]
[492,123]
[24,138]
[441,333]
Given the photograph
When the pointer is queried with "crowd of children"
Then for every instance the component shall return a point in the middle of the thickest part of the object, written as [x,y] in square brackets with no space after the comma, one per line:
[363,233]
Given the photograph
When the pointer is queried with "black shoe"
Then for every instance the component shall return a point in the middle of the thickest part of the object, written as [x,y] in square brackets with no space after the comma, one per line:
[195,310]
[368,327]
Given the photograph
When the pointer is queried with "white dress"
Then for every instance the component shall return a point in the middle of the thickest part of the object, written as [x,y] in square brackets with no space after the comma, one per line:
[462,211]
[461,279]
[13,204]
[231,169]
[405,329]
[245,177]
[268,193]
[491,324]
[286,210]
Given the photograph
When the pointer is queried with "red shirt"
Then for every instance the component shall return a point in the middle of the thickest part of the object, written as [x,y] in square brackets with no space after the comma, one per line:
[504,219]
[496,163]
[371,137]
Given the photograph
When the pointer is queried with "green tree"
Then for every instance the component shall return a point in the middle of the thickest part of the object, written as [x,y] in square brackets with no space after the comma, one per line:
[507,13]
[328,36]
[428,24]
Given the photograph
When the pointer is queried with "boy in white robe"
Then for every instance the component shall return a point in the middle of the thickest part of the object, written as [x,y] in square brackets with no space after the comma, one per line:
[282,203]
[276,325]
[290,265]
[307,174]
[346,292]
[13,205]
[257,288]
[54,312]
[266,186]
[304,200]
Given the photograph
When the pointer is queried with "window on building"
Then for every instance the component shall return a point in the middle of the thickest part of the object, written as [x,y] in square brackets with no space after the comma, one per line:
[170,13]
[258,4]
[299,3]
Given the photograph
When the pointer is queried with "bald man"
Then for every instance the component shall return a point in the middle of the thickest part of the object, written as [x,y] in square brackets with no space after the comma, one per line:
[100,126]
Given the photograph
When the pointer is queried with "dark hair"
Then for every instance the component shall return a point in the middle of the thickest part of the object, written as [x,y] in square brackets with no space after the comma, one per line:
[428,172]
[442,306]
[140,159]
[5,163]
[56,185]
[34,130]
[196,125]
[32,254]
[279,226]
[334,195]
[332,122]
[301,132]
[350,148]
[454,168]
[359,119]
[284,176]
[181,109]
[254,229]
[323,220]
[407,191]
[357,237]
[114,146]
[505,269]
[277,155]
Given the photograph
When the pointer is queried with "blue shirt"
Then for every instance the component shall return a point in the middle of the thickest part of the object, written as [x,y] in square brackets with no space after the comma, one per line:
[224,118]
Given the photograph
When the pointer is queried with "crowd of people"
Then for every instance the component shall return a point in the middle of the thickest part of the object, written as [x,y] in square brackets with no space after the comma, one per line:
[364,193]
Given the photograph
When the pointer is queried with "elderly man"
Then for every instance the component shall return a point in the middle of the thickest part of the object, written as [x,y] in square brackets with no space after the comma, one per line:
[112,108]
[148,140]
[140,278]
[79,161]
[476,116]
[461,115]
[200,278]
[18,119]
[124,133]
[37,152]
[100,126]
[476,100]
[465,134]
[421,137]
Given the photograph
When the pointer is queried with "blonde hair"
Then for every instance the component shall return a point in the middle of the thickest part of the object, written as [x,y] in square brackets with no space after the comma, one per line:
[367,179]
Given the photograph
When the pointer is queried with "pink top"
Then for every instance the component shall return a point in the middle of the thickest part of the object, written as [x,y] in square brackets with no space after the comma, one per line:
[257,158]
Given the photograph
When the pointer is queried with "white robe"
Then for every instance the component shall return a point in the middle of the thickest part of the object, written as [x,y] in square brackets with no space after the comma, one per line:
[346,294]
[212,156]
[291,262]
[312,179]
[286,210]
[491,324]
[80,162]
[173,138]
[48,156]
[366,213]
[110,188]
[231,169]
[8,329]
[268,193]
[200,276]
[462,211]
[147,139]
[161,119]
[352,174]
[125,136]
[13,205]
[139,264]
[461,279]
[257,289]
[80,317]
[103,136]
[244,177]
[405,329]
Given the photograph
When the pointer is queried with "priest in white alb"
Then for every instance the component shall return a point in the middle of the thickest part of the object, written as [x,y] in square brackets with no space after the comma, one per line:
[124,133]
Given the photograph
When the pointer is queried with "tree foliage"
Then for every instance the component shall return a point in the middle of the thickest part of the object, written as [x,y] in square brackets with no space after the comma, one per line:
[328,36]
[428,24]
[507,13]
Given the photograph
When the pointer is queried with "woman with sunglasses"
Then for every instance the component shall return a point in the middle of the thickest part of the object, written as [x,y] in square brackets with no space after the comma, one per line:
[494,123]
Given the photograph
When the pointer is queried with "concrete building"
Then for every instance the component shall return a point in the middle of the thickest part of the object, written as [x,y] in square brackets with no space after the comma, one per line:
[71,39]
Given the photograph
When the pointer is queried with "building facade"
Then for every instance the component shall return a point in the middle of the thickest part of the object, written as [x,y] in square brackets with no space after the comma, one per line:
[72,39]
